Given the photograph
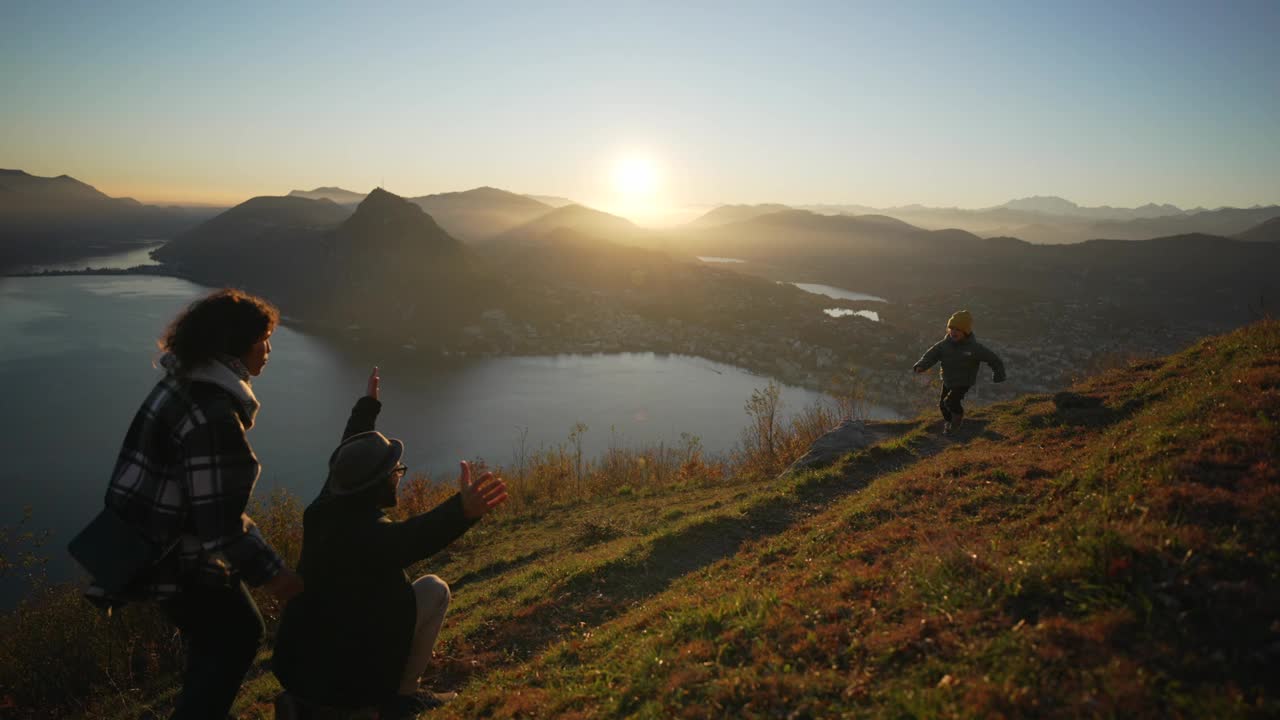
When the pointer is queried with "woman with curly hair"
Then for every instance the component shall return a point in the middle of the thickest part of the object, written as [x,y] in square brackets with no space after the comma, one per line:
[183,479]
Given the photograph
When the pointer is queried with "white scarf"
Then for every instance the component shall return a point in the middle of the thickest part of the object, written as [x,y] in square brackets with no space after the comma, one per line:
[228,375]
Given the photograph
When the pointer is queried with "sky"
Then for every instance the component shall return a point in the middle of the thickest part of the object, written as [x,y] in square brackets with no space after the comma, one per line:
[651,107]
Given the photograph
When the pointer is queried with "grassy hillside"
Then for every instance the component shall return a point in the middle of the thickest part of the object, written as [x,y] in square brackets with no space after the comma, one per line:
[1108,551]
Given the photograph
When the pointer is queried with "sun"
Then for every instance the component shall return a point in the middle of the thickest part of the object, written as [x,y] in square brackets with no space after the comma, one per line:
[635,178]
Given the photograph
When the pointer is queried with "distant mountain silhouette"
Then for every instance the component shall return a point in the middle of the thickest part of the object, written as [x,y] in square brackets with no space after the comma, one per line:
[481,213]
[792,232]
[54,193]
[1053,220]
[552,200]
[46,219]
[1223,221]
[387,267]
[1053,205]
[253,242]
[1266,231]
[386,226]
[336,194]
[582,220]
[735,213]
[1198,278]
[1047,204]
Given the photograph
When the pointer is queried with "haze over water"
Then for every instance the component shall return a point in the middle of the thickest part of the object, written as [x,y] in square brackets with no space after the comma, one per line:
[77,361]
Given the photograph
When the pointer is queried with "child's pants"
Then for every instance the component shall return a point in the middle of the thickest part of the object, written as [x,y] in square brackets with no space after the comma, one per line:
[432,595]
[949,403]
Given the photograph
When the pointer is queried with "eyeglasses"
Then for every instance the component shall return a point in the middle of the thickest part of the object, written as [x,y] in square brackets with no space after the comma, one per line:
[399,471]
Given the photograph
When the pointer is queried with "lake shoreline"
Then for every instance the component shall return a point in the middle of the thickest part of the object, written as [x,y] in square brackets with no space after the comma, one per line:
[547,347]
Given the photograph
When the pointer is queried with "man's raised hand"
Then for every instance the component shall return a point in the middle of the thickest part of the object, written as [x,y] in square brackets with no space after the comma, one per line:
[374,380]
[481,496]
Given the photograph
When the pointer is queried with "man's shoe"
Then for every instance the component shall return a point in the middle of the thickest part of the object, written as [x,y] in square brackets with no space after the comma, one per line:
[946,428]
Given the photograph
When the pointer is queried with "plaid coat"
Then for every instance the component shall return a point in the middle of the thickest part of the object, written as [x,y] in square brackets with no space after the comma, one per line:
[185,474]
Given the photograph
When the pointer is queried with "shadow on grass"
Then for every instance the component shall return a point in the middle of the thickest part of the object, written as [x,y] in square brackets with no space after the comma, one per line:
[1090,411]
[496,568]
[613,588]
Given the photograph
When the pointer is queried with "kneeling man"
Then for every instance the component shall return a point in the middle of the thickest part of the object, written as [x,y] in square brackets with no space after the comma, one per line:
[361,633]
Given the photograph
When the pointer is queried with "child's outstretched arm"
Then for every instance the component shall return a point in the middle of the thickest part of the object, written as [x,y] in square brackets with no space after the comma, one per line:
[365,413]
[997,365]
[929,357]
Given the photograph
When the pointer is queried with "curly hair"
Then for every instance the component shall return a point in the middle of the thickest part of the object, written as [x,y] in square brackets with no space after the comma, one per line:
[225,322]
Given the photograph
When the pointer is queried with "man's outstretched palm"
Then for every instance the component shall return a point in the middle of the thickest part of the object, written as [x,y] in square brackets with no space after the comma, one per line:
[481,496]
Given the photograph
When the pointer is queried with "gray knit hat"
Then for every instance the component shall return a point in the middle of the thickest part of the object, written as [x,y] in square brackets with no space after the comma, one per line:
[361,461]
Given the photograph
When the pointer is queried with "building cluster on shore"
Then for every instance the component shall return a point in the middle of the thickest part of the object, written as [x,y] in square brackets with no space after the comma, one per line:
[799,345]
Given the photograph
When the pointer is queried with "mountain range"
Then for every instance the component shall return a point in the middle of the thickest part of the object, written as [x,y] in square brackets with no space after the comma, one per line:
[52,219]
[385,263]
[1054,220]
[474,215]
[1201,277]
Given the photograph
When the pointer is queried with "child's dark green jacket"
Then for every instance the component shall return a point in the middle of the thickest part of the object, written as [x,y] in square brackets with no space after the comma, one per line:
[960,360]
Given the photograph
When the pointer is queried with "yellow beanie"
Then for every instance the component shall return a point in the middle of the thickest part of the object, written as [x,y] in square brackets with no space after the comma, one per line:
[962,321]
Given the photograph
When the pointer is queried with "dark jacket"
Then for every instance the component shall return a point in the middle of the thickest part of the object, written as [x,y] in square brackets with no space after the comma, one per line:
[185,474]
[960,361]
[344,641]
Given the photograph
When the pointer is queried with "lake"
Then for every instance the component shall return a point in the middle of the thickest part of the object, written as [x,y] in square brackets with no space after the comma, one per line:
[117,260]
[835,292]
[76,353]
[846,312]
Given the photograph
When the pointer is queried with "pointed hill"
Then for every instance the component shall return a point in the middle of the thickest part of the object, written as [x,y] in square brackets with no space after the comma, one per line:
[481,213]
[387,267]
[392,271]
[735,213]
[335,194]
[385,225]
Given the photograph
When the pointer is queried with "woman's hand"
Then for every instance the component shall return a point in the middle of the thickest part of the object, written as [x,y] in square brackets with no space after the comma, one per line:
[481,496]
[373,384]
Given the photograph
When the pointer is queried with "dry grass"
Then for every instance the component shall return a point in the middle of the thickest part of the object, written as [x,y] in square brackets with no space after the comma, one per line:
[1104,552]
[63,657]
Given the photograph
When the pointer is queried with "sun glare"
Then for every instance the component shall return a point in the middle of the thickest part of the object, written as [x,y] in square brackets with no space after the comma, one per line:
[635,178]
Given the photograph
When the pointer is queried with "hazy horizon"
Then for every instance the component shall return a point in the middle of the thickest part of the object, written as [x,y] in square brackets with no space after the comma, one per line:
[653,112]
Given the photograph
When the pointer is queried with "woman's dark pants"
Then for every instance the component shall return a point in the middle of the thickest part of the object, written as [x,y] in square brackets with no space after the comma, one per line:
[222,629]
[949,403]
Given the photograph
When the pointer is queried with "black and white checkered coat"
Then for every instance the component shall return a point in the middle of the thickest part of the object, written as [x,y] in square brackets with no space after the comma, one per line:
[185,474]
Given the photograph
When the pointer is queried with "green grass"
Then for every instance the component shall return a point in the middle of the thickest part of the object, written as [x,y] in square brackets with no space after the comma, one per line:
[1125,566]
[1109,554]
